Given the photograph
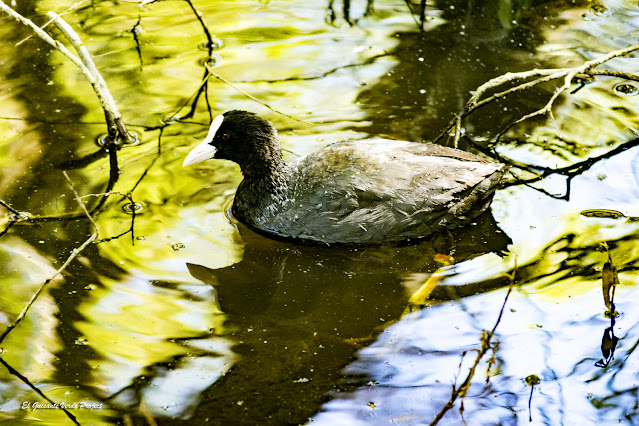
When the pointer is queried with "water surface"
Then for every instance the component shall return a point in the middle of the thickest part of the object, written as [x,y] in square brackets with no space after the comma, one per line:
[183,315]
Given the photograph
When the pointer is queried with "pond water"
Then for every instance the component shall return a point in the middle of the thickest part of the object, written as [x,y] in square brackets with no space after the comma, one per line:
[180,315]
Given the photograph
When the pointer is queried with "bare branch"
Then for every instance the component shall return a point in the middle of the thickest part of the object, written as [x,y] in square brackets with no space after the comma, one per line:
[617,74]
[113,116]
[540,76]
[47,38]
[115,125]
[545,109]
[8,207]
[513,76]
[69,9]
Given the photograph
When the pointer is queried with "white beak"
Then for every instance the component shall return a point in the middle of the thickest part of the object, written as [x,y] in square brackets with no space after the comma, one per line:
[204,150]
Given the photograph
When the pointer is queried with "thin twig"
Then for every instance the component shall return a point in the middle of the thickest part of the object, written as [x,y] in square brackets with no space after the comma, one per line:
[474,104]
[128,196]
[509,77]
[8,207]
[585,67]
[69,9]
[79,200]
[7,228]
[44,36]
[570,171]
[420,26]
[458,121]
[486,337]
[138,45]
[73,255]
[541,111]
[192,101]
[73,215]
[113,117]
[611,73]
[38,391]
[310,77]
[219,77]
[200,18]
[115,125]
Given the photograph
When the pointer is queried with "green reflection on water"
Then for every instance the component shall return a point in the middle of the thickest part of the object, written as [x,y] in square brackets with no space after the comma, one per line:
[193,316]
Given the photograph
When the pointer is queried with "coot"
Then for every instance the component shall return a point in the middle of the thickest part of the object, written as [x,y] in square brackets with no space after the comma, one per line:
[361,192]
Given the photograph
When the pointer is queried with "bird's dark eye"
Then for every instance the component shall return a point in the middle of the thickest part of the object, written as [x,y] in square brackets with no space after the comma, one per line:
[226,137]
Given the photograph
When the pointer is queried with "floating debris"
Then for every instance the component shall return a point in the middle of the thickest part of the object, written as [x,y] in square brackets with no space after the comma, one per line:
[177,246]
[532,380]
[603,213]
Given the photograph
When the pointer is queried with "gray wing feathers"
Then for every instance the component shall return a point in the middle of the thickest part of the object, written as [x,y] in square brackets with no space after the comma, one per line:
[393,188]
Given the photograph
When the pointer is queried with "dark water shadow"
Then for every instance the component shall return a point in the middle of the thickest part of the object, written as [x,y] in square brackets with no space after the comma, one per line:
[437,70]
[298,314]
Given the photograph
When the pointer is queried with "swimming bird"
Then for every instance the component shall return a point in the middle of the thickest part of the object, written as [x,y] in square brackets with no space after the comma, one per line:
[355,192]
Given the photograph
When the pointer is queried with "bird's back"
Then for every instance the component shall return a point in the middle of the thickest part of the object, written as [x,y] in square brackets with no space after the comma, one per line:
[381,190]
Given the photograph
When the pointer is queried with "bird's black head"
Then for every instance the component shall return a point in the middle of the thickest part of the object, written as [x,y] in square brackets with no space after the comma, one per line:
[242,137]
